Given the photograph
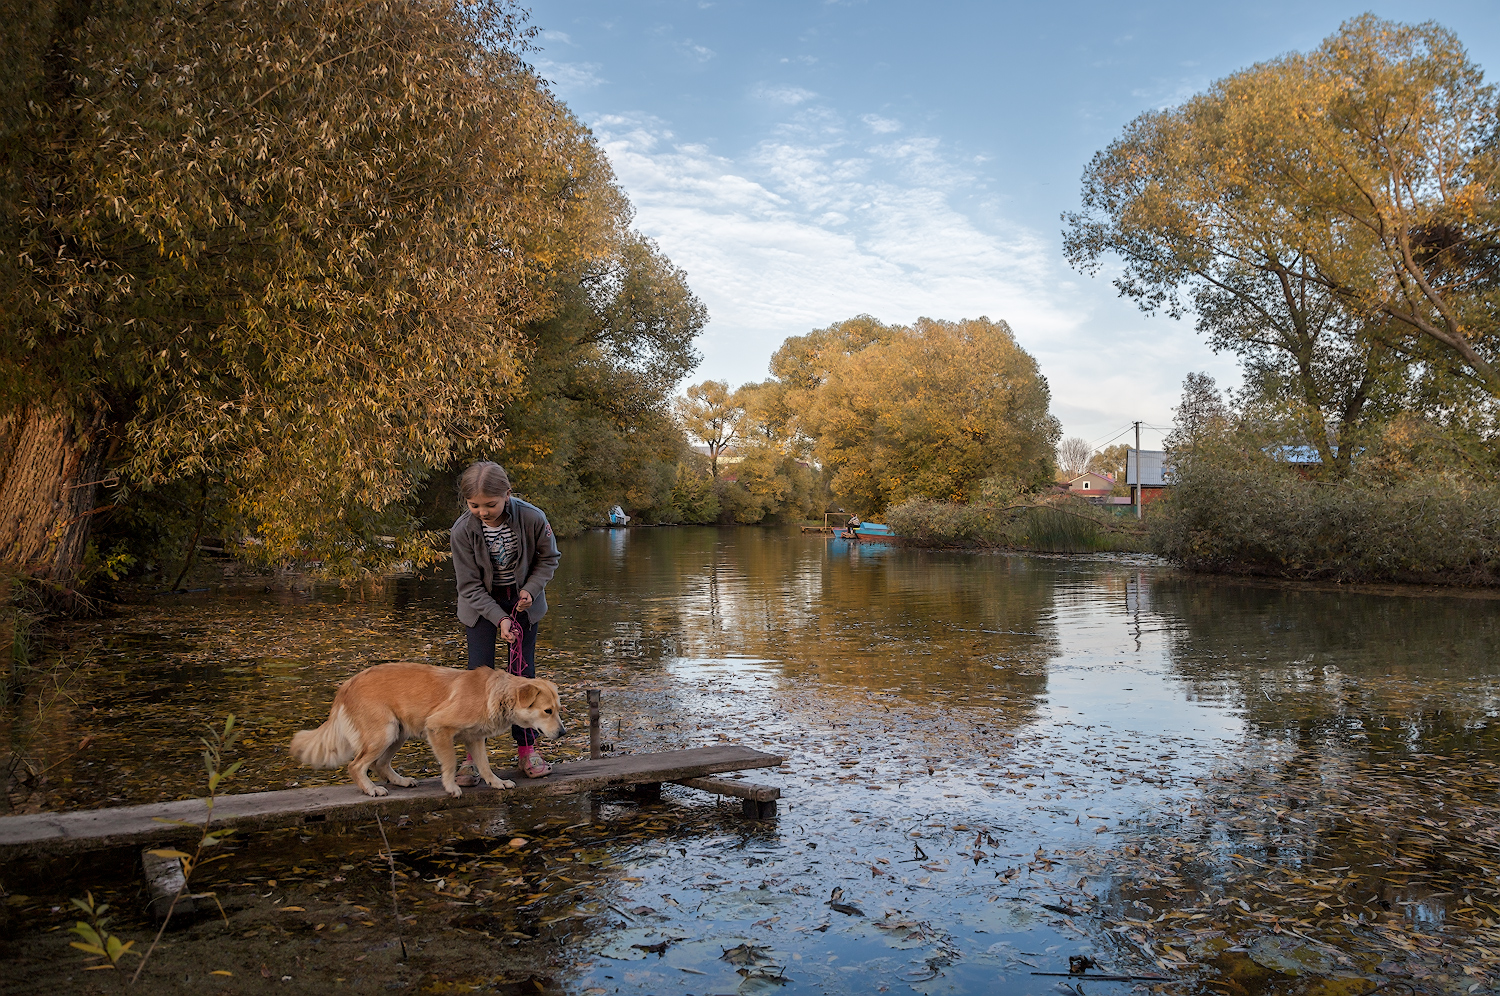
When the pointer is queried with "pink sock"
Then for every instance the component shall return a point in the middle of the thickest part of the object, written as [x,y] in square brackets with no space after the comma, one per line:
[523,752]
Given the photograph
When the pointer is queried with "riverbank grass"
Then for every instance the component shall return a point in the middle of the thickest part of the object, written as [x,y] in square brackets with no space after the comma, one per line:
[1053,525]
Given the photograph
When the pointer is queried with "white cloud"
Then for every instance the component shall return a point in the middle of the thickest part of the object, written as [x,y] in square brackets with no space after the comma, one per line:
[880,125]
[569,75]
[795,235]
[1164,94]
[811,225]
[790,95]
[699,53]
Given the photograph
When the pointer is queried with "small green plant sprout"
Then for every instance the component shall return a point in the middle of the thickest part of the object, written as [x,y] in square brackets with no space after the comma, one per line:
[213,756]
[97,941]
[214,747]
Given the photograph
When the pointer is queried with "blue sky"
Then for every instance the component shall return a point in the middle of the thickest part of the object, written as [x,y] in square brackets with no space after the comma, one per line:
[807,162]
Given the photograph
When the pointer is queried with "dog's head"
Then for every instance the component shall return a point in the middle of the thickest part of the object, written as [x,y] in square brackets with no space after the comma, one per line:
[538,707]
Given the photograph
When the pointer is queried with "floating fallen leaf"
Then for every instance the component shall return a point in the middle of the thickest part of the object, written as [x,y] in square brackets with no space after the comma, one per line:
[747,954]
[658,948]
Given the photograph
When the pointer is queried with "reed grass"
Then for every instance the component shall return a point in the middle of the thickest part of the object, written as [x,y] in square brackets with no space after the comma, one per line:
[1052,525]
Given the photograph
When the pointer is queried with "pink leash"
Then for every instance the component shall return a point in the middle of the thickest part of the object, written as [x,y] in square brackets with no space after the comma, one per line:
[517,663]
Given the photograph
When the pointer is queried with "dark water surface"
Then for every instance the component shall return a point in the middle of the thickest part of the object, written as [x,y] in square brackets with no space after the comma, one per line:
[1001,760]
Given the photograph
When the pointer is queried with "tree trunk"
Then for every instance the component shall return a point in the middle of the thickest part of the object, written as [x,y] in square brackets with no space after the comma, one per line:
[49,475]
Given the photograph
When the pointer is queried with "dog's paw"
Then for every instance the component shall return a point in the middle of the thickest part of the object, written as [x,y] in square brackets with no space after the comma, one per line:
[377,791]
[453,790]
[403,781]
[502,783]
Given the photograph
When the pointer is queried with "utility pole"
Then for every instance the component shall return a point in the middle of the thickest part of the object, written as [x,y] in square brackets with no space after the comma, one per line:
[1138,492]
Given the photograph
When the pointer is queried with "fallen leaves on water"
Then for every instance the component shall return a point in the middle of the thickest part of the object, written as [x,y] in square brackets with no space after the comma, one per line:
[1340,864]
[747,954]
[842,907]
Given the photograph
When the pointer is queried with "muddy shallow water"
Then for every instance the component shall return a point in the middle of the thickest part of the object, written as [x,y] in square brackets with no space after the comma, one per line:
[1002,761]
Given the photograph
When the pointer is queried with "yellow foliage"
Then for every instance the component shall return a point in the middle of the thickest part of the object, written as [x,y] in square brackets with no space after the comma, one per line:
[923,412]
[286,246]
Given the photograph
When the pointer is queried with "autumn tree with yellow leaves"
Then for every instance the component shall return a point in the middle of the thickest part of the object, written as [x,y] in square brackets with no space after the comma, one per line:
[932,410]
[1332,218]
[284,255]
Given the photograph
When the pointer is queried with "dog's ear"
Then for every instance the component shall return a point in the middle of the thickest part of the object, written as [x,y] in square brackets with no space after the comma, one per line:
[526,696]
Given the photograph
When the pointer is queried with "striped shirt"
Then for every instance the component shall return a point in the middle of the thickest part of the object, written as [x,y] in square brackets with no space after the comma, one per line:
[505,550]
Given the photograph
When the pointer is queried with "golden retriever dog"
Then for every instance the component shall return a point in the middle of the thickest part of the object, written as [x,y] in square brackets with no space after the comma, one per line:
[379,709]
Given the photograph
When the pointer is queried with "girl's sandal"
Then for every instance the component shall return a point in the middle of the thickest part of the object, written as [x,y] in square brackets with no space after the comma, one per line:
[532,766]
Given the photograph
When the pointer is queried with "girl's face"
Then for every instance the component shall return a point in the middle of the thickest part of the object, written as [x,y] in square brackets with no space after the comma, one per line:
[489,508]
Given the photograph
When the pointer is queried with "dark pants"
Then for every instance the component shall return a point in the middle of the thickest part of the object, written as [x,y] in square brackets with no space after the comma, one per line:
[483,637]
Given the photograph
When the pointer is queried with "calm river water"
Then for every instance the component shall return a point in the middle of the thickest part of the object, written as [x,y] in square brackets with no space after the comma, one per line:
[1001,760]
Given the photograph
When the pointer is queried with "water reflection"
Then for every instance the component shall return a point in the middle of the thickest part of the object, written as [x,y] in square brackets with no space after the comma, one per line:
[976,741]
[1377,670]
[913,622]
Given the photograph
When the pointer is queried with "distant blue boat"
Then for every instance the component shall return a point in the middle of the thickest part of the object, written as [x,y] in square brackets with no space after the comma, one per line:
[870,531]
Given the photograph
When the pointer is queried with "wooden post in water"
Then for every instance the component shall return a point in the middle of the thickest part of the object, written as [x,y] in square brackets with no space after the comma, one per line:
[594,752]
[164,880]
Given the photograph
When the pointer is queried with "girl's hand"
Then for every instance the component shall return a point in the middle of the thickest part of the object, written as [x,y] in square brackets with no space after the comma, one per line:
[523,600]
[507,631]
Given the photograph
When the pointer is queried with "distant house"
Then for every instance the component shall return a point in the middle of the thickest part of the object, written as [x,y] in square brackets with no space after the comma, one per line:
[1091,485]
[726,457]
[1150,470]
[1305,460]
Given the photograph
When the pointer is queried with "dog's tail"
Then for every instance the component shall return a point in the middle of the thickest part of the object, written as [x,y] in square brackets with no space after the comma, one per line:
[331,745]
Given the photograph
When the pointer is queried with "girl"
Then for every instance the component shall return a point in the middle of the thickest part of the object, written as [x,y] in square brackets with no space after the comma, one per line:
[504,554]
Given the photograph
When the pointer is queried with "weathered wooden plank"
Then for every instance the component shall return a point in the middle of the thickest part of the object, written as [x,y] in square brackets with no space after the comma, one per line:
[55,833]
[727,786]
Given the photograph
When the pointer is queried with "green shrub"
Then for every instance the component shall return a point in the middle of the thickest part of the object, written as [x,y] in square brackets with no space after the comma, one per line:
[693,497]
[935,523]
[1057,525]
[1237,510]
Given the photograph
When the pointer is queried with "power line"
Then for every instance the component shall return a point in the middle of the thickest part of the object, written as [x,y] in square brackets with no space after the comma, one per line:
[1117,434]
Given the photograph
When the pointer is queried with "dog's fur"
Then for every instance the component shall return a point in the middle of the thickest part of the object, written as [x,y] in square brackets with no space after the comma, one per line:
[379,709]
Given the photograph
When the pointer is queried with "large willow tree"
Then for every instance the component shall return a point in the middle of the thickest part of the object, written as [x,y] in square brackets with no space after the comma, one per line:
[591,425]
[1333,217]
[281,246]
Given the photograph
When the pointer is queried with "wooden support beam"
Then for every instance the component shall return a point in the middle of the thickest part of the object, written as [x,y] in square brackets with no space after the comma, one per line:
[738,789]
[750,809]
[164,879]
[758,802]
[72,832]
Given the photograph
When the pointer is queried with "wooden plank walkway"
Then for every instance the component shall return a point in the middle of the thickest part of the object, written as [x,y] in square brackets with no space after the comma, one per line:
[96,829]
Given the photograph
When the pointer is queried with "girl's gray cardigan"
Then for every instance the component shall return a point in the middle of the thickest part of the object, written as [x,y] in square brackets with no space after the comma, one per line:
[475,572]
